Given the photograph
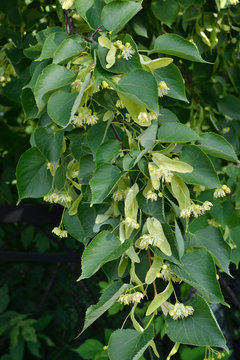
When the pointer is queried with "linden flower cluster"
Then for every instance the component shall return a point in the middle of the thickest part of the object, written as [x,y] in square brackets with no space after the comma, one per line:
[221,192]
[148,239]
[179,311]
[85,116]
[59,232]
[127,299]
[131,223]
[62,198]
[167,275]
[234,2]
[196,210]
[151,195]
[163,89]
[145,118]
[120,195]
[160,173]
[127,50]
[76,85]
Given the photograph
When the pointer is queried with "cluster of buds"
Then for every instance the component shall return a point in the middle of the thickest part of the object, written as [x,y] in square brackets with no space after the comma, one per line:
[62,198]
[221,192]
[76,85]
[163,89]
[179,311]
[120,195]
[134,298]
[131,223]
[127,50]
[85,117]
[196,210]
[145,118]
[59,232]
[167,275]
[233,2]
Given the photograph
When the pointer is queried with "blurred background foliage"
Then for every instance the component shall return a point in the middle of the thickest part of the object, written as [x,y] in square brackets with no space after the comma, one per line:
[41,305]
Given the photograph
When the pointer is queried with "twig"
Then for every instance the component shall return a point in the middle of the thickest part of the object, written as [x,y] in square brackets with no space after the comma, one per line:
[69,26]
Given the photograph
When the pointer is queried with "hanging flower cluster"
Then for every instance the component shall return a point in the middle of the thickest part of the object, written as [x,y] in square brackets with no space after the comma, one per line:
[85,117]
[133,298]
[62,198]
[145,118]
[179,311]
[59,232]
[196,210]
[127,50]
[163,89]
[167,275]
[221,192]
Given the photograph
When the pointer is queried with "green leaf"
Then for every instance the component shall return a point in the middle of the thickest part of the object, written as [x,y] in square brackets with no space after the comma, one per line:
[135,343]
[216,145]
[211,239]
[103,248]
[118,13]
[148,137]
[203,173]
[198,270]
[103,181]
[174,80]
[28,103]
[86,168]
[53,77]
[159,299]
[33,178]
[96,135]
[174,258]
[151,208]
[141,87]
[17,352]
[51,44]
[76,137]
[49,143]
[173,132]
[107,98]
[180,192]
[179,239]
[154,269]
[107,152]
[86,216]
[69,48]
[108,298]
[165,11]
[199,329]
[229,105]
[60,106]
[172,44]
[90,11]
[89,349]
[4,298]
[74,227]
[119,66]
[167,116]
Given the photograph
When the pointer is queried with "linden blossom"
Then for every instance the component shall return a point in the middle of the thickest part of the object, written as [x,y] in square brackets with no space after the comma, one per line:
[163,89]
[127,299]
[221,192]
[179,311]
[66,4]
